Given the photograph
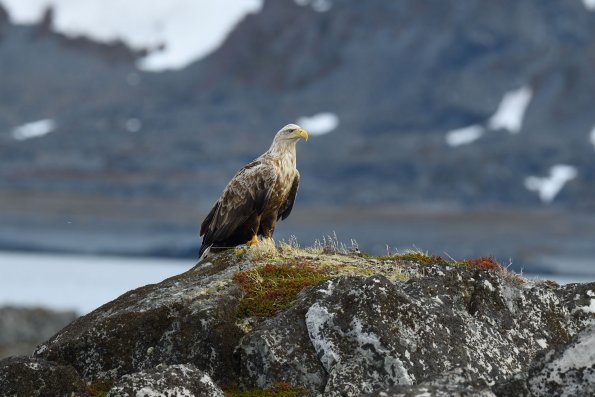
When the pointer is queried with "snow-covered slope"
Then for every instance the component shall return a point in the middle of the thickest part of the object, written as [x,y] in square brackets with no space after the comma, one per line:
[188,29]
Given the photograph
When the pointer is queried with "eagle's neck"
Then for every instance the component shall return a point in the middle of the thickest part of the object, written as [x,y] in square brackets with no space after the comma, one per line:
[284,151]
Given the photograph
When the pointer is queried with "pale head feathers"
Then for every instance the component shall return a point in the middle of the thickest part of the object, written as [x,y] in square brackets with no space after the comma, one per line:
[286,138]
[291,132]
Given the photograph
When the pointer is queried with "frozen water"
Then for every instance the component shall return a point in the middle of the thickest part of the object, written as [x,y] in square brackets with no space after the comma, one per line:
[77,282]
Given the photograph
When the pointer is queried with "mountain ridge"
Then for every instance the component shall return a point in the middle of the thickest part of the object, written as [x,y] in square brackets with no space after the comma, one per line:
[399,77]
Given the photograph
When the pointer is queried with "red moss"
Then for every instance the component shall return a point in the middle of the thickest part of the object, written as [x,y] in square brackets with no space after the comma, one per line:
[485,262]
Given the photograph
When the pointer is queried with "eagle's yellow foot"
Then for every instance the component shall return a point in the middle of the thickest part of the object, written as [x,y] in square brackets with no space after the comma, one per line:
[253,242]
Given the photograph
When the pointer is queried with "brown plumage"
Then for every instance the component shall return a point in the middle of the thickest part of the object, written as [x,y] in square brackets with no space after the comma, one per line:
[260,194]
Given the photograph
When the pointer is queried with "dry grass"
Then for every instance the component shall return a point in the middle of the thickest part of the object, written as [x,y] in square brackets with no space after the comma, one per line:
[284,269]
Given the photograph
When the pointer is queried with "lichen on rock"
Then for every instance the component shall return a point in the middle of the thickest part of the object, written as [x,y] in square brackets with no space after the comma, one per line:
[175,380]
[353,324]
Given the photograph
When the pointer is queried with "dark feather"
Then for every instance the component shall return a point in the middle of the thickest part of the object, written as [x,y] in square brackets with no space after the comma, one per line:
[288,205]
[208,219]
[234,219]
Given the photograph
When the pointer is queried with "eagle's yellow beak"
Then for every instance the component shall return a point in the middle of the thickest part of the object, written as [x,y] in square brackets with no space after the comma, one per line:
[301,134]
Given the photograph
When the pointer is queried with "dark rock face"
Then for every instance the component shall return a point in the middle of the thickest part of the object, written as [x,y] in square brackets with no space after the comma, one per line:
[22,329]
[173,380]
[449,330]
[22,376]
[184,319]
[4,17]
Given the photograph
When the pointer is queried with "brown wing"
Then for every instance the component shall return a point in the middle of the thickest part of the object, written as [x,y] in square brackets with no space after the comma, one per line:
[288,204]
[245,195]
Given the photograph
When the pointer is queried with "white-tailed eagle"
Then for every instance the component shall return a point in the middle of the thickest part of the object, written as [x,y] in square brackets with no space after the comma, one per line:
[260,194]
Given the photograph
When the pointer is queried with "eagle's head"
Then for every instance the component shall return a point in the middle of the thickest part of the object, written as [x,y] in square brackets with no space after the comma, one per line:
[291,133]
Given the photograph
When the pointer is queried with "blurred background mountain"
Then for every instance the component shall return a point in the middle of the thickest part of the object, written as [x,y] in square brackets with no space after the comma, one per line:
[463,127]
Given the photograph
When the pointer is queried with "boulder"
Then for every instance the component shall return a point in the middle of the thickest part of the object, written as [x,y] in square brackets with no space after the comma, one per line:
[172,380]
[384,326]
[566,370]
[189,318]
[24,376]
[456,383]
[370,334]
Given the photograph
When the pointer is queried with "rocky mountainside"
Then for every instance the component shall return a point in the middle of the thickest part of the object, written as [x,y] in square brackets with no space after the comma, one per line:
[325,322]
[147,153]
[399,75]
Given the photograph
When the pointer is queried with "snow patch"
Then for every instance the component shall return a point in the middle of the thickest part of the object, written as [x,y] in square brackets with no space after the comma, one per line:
[511,111]
[589,5]
[34,129]
[320,123]
[549,187]
[464,136]
[188,29]
[542,343]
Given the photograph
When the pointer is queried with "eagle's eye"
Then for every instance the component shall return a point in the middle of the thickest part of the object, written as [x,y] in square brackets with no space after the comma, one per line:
[291,130]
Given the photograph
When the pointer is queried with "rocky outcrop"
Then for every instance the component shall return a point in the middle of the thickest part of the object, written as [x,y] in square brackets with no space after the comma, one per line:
[368,332]
[381,326]
[456,383]
[173,380]
[189,318]
[566,370]
[22,376]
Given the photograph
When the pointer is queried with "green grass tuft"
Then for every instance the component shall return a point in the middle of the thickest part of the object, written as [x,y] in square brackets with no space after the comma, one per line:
[271,288]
